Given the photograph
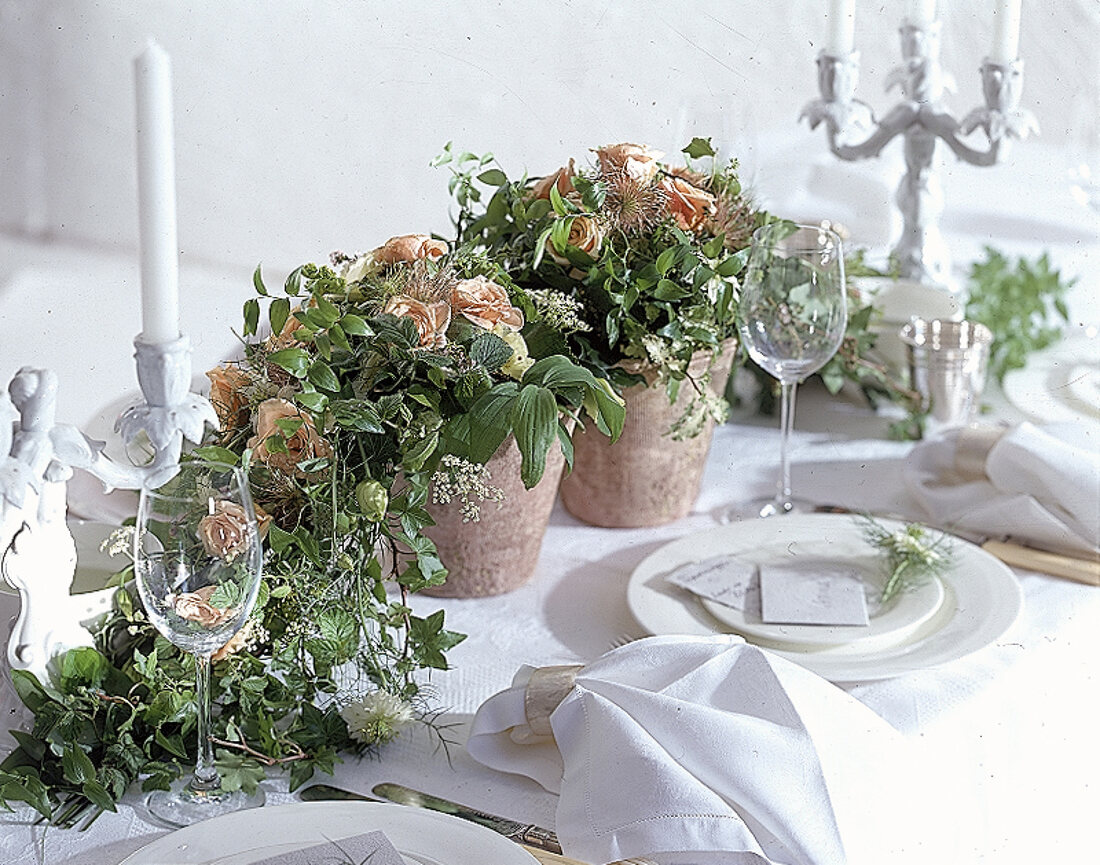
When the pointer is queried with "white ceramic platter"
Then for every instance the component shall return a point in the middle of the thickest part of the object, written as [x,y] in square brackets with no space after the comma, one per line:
[244,837]
[1060,383]
[982,597]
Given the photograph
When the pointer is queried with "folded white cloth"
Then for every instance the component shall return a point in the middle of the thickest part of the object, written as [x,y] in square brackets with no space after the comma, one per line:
[708,750]
[1036,485]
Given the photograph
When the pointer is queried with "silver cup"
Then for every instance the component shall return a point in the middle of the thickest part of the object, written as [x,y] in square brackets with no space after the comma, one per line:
[947,365]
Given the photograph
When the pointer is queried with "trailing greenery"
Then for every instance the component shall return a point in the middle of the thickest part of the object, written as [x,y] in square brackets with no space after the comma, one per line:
[1022,303]
[385,377]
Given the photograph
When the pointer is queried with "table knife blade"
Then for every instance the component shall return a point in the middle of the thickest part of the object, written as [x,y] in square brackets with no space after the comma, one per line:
[525,833]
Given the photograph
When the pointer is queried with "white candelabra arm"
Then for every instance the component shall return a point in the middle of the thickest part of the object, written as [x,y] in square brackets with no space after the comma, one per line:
[922,120]
[37,552]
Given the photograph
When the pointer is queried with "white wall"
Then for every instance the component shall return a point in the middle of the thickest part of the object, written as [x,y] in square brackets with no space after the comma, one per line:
[307,125]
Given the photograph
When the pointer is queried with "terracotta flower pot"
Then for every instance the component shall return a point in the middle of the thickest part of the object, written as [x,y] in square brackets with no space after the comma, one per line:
[498,552]
[646,478]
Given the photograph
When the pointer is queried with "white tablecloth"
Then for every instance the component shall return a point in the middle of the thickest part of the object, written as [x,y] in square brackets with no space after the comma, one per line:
[1015,720]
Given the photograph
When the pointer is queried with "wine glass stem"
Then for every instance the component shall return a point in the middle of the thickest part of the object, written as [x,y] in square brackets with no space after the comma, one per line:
[206,775]
[786,421]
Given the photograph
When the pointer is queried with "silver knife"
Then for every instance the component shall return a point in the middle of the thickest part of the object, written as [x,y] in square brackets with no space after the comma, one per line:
[523,833]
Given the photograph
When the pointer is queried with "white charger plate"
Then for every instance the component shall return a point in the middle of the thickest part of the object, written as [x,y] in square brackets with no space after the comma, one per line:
[1060,384]
[982,598]
[244,837]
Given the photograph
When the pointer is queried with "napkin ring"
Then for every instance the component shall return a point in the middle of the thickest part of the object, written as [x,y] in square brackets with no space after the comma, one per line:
[546,688]
[972,449]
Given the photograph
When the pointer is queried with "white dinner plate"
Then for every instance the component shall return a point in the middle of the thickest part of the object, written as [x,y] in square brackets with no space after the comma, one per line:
[890,623]
[982,598]
[244,837]
[1060,384]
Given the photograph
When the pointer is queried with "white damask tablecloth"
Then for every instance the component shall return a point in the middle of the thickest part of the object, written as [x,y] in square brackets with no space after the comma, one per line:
[1014,723]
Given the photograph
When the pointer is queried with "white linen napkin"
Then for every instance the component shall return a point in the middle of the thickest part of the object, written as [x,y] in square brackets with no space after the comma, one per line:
[708,750]
[1036,485]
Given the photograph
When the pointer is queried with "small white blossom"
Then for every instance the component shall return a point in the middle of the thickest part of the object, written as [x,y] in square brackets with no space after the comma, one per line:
[377,718]
[118,542]
[558,310]
[468,482]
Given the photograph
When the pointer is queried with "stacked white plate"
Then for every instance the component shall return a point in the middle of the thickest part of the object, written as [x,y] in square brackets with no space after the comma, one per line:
[945,619]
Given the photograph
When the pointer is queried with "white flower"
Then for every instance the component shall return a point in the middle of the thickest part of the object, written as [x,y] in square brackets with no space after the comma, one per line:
[377,718]
[355,269]
[520,361]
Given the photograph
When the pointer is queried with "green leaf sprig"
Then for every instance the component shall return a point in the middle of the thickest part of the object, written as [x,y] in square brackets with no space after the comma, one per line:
[912,554]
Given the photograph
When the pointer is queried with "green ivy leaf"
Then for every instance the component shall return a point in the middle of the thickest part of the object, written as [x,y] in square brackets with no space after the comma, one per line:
[216,454]
[251,313]
[354,325]
[489,350]
[320,375]
[700,147]
[493,177]
[258,281]
[293,360]
[76,765]
[278,314]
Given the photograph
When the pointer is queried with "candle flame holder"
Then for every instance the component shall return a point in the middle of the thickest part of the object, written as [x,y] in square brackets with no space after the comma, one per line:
[37,458]
[922,121]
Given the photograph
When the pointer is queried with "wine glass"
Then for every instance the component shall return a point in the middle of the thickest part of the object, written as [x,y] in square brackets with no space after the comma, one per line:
[197,564]
[791,316]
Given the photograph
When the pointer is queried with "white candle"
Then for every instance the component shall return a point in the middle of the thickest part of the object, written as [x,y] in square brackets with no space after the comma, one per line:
[842,23]
[157,196]
[1006,31]
[921,13]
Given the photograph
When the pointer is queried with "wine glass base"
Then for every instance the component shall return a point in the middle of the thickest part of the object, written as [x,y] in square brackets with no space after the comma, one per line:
[763,508]
[182,806]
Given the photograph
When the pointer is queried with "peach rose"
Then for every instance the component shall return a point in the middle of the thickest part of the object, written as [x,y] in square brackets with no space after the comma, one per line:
[585,233]
[196,607]
[230,403]
[689,205]
[637,160]
[224,532]
[432,319]
[305,443]
[237,642]
[485,303]
[409,247]
[562,179]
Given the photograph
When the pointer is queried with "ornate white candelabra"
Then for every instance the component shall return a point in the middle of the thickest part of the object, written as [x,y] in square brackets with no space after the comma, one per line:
[37,458]
[922,120]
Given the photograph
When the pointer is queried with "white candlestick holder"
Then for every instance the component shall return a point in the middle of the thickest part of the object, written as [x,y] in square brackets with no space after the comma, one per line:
[921,119]
[37,458]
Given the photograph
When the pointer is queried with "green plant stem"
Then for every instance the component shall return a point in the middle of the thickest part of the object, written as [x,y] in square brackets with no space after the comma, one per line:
[892,584]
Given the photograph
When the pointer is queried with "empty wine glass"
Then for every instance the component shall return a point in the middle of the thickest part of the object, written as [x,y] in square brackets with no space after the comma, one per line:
[792,315]
[197,564]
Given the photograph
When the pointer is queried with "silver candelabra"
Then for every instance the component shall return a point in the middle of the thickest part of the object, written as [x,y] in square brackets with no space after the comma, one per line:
[922,120]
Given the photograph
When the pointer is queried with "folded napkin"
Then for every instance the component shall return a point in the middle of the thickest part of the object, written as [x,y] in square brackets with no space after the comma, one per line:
[1037,485]
[708,750]
[371,847]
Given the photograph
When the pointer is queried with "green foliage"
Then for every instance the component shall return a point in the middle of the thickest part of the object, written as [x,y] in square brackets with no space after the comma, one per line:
[341,417]
[1023,304]
[653,282]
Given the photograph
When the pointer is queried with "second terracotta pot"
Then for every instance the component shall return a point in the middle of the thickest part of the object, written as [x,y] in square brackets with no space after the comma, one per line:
[646,478]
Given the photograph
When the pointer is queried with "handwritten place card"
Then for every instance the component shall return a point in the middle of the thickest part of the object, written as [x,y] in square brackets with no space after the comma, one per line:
[372,847]
[813,593]
[725,579]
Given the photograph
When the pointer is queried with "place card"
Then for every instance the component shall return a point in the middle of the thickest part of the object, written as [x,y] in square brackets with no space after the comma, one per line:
[372,847]
[813,593]
[725,579]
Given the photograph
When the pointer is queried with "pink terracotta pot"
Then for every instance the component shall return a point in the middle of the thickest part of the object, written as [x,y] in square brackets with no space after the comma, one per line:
[499,552]
[645,478]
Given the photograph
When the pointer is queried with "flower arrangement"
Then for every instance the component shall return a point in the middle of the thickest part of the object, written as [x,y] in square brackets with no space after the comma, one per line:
[650,251]
[384,374]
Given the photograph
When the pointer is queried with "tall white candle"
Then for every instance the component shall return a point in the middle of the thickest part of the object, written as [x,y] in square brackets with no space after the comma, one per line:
[157,196]
[921,13]
[840,38]
[1006,31]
